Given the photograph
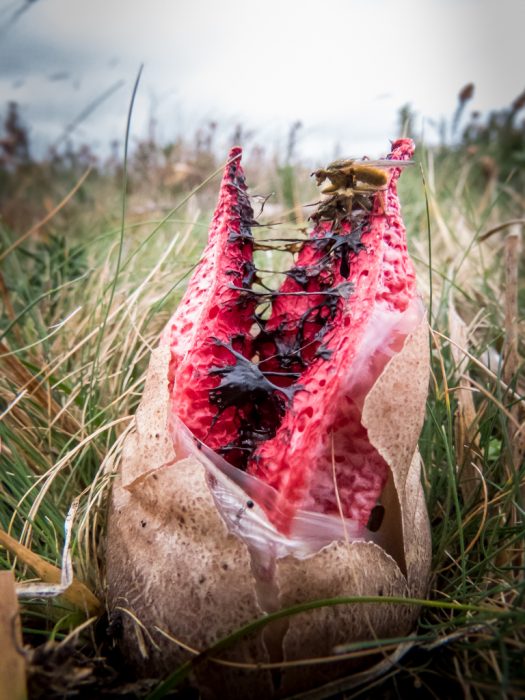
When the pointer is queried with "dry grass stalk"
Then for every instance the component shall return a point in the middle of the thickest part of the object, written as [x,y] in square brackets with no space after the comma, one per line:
[8,306]
[466,423]
[511,366]
[511,356]
[12,661]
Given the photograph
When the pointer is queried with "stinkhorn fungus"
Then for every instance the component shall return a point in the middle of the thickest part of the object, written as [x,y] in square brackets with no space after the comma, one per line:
[286,403]
[274,459]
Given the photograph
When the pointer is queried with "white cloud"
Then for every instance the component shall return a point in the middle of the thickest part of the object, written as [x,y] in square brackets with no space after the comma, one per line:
[266,64]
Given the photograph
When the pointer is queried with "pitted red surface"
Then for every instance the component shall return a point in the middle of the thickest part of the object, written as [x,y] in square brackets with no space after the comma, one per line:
[321,442]
[210,312]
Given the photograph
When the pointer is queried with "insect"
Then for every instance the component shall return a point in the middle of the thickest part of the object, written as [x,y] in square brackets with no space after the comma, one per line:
[357,175]
[352,183]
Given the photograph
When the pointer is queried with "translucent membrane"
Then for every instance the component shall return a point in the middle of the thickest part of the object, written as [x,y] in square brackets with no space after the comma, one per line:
[243,500]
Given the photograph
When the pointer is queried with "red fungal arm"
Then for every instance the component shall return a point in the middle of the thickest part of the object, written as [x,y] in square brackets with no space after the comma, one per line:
[213,314]
[192,310]
[321,435]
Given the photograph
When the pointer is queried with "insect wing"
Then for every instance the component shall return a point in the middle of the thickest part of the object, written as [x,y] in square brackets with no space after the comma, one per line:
[386,163]
[379,163]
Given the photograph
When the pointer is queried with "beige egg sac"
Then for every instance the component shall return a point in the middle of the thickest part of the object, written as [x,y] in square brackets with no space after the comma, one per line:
[181,579]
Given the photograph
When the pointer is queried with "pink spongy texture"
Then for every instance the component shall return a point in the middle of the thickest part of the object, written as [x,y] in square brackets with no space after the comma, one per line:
[397,282]
[213,313]
[320,457]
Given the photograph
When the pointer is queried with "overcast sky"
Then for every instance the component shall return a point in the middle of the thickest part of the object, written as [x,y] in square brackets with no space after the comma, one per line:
[342,67]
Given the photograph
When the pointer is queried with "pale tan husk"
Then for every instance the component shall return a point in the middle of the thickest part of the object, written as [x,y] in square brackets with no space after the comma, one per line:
[173,569]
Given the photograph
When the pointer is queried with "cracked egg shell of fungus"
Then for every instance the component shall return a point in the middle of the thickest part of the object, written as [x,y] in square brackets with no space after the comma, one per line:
[181,579]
